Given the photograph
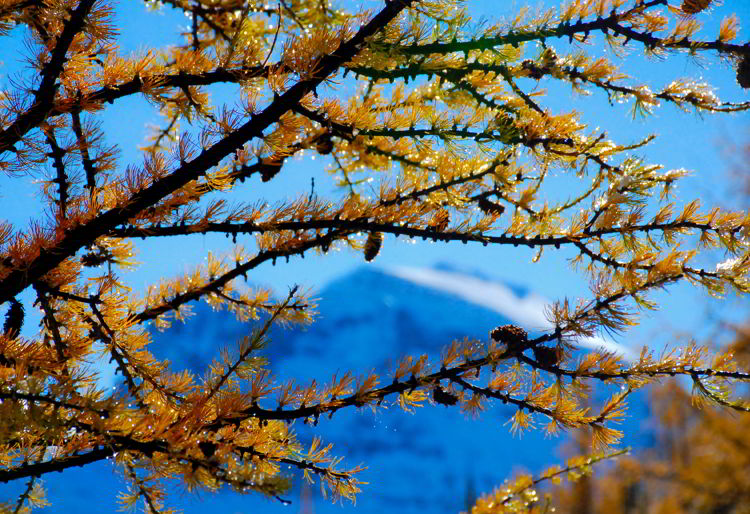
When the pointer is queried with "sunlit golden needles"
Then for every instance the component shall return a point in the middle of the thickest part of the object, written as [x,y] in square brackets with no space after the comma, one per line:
[434,128]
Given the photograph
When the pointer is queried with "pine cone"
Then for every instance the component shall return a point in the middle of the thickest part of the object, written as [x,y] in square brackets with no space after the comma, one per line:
[270,167]
[13,319]
[546,356]
[511,335]
[743,73]
[208,448]
[489,207]
[444,397]
[324,144]
[691,7]
[373,244]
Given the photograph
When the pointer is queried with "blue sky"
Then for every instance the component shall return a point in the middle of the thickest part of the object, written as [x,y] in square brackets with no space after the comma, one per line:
[685,140]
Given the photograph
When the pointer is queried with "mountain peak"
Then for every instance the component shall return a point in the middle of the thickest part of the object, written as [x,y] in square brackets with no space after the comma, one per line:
[512,302]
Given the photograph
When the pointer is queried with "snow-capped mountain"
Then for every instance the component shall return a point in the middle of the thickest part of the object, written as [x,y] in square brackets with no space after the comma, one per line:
[428,461]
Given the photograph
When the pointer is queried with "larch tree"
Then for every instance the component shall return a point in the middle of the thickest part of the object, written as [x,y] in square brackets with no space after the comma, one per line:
[438,131]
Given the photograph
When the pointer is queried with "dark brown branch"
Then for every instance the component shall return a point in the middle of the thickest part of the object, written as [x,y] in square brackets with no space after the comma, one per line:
[504,397]
[41,468]
[442,186]
[164,132]
[613,263]
[14,395]
[268,167]
[142,491]
[353,225]
[397,387]
[198,10]
[652,42]
[453,374]
[269,307]
[256,338]
[365,225]
[633,372]
[141,84]
[69,296]
[574,74]
[517,90]
[292,15]
[25,495]
[120,442]
[124,361]
[303,464]
[467,134]
[194,33]
[571,73]
[567,469]
[569,30]
[221,9]
[51,323]
[61,180]
[105,335]
[88,164]
[346,132]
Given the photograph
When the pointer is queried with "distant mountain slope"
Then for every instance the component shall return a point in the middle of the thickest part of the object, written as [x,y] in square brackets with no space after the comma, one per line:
[422,462]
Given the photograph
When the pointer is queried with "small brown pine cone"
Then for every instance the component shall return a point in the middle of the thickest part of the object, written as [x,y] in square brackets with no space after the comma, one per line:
[372,246]
[270,167]
[13,319]
[549,57]
[324,144]
[444,397]
[511,335]
[489,207]
[546,356]
[534,71]
[96,257]
[743,73]
[207,448]
[695,6]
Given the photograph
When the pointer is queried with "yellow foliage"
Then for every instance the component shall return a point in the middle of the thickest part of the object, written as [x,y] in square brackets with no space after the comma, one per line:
[434,128]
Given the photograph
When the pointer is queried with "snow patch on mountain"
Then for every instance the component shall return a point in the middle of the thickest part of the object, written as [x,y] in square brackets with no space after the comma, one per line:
[526,310]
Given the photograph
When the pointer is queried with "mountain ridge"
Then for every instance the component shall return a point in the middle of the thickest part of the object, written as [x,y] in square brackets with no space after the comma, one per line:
[429,460]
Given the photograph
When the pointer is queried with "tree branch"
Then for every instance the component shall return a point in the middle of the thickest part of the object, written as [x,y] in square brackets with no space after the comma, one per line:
[43,97]
[84,234]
